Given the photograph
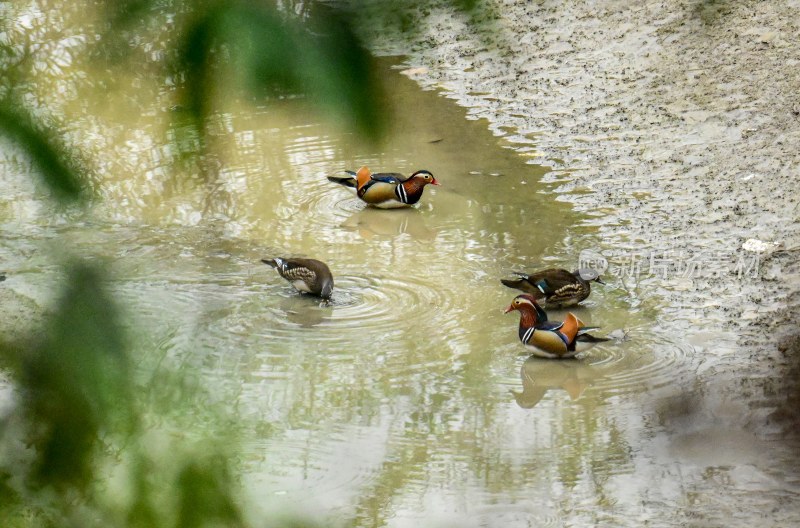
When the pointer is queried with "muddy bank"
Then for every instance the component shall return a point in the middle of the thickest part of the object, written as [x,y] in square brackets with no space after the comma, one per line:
[682,121]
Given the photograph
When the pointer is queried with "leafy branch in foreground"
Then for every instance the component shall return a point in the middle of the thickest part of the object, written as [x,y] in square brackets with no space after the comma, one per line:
[78,421]
[52,160]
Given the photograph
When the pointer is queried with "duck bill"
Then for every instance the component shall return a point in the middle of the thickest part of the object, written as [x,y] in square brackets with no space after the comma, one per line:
[510,308]
[435,182]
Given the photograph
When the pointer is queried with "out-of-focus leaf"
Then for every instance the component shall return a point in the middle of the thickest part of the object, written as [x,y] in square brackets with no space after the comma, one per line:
[272,53]
[141,513]
[123,19]
[205,488]
[75,383]
[264,48]
[194,65]
[8,496]
[55,164]
[339,71]
[124,13]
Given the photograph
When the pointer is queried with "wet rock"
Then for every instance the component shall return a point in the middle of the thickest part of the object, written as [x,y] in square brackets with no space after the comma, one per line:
[759,246]
[767,37]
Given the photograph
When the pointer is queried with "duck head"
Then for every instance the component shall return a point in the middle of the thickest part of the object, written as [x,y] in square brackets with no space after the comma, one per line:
[425,177]
[589,274]
[327,288]
[528,308]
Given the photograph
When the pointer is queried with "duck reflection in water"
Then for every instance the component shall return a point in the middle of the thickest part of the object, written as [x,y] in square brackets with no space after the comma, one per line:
[540,375]
[372,222]
[305,310]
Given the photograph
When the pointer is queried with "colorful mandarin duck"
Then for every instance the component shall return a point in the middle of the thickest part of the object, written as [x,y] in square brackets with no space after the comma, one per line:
[306,275]
[550,340]
[558,287]
[388,190]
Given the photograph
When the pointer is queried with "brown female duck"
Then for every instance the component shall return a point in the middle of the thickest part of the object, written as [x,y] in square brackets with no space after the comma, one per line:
[558,287]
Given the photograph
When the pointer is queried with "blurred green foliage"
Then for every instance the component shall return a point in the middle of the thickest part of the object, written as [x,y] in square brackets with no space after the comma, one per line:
[272,49]
[56,164]
[75,383]
[76,417]
[205,495]
[321,58]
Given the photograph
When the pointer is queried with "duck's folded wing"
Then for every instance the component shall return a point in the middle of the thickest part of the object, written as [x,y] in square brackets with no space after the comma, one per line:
[552,281]
[526,334]
[570,326]
[549,340]
[551,326]
[389,177]
[299,269]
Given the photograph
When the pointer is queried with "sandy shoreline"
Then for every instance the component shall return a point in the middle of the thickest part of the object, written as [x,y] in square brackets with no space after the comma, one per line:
[683,120]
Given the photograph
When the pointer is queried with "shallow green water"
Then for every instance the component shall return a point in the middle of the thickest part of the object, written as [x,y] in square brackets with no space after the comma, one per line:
[409,399]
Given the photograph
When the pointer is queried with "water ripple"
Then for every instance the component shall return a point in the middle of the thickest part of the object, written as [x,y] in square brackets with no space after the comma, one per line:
[644,360]
[381,303]
[326,203]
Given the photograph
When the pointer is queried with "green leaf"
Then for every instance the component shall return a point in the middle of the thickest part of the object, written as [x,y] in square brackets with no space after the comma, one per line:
[339,70]
[264,49]
[123,14]
[194,65]
[76,382]
[205,488]
[56,165]
[272,52]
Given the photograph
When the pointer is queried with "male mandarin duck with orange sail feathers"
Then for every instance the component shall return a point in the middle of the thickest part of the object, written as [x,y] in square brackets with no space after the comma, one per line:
[550,339]
[386,190]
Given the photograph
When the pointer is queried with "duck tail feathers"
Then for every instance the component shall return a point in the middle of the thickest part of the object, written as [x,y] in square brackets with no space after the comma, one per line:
[589,338]
[512,283]
[347,181]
